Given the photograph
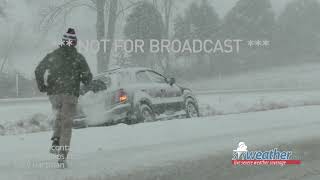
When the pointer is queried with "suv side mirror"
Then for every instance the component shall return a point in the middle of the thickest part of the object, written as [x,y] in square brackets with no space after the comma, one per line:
[172,81]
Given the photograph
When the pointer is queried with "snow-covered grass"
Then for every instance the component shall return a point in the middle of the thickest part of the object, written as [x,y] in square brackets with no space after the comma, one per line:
[35,123]
[295,76]
[22,119]
[252,102]
[18,118]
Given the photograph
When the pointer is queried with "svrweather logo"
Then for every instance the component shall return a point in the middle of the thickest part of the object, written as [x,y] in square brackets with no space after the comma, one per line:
[275,157]
[240,150]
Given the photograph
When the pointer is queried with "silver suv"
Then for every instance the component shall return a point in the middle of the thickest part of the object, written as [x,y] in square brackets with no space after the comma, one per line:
[136,95]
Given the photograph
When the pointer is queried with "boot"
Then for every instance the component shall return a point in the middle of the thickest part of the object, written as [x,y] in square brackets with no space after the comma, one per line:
[62,160]
[62,163]
[55,144]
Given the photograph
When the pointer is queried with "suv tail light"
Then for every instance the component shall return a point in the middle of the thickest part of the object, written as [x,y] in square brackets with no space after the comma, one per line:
[121,96]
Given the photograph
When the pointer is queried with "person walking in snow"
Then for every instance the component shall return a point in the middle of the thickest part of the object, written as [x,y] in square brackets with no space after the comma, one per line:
[59,74]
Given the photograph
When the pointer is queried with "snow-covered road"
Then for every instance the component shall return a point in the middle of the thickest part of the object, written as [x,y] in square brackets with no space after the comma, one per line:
[120,150]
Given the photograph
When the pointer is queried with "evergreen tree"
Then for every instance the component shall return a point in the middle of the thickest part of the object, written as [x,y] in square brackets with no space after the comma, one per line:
[299,28]
[250,19]
[144,23]
[2,13]
[247,20]
[199,22]
[206,22]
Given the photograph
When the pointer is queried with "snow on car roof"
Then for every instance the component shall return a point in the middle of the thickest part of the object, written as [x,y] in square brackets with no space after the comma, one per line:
[128,69]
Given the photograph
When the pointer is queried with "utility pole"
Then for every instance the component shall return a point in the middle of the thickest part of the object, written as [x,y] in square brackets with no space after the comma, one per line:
[17,85]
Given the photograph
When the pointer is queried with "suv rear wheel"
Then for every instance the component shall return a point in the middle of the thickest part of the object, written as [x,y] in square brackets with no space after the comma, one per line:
[191,108]
[146,114]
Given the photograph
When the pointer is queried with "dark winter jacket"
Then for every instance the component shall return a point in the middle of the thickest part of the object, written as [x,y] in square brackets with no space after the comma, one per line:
[61,72]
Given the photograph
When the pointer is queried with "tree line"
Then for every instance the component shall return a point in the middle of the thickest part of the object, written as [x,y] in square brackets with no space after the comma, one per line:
[293,35]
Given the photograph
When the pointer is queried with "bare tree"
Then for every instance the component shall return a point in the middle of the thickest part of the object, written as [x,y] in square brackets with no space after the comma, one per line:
[113,9]
[2,14]
[53,12]
[100,29]
[165,7]
[116,8]
[107,11]
[10,45]
[167,4]
[2,7]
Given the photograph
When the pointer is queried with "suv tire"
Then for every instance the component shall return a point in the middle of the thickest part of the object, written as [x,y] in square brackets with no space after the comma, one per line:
[145,113]
[191,108]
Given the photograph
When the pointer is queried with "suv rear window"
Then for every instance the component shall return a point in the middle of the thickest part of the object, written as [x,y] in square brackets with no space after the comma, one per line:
[143,77]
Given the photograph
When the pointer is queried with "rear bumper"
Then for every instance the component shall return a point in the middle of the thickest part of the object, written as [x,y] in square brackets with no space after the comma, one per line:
[79,123]
[114,115]
[117,114]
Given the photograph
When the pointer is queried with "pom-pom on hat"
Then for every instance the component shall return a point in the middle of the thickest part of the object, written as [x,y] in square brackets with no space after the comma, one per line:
[70,38]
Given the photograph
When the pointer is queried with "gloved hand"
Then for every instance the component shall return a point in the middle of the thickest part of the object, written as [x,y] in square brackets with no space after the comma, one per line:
[43,88]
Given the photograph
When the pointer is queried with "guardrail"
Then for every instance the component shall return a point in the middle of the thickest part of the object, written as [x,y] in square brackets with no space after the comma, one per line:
[23,100]
[196,92]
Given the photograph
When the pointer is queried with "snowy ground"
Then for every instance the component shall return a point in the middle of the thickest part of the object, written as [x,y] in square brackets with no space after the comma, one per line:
[172,149]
